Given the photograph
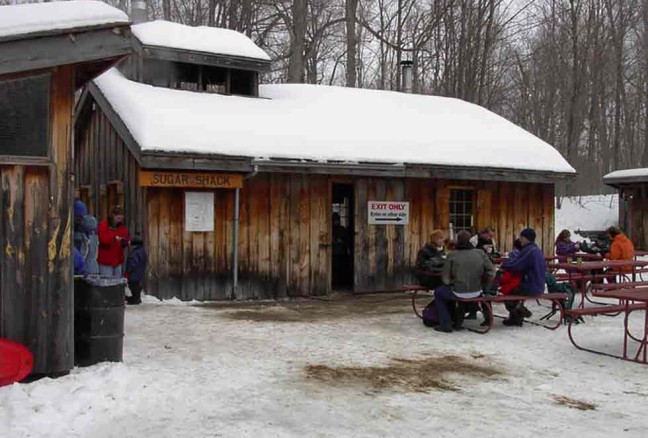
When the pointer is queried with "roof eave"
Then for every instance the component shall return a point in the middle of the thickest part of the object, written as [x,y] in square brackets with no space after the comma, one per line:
[74,46]
[203,58]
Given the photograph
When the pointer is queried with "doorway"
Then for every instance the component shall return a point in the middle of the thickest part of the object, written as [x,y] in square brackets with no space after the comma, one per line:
[343,232]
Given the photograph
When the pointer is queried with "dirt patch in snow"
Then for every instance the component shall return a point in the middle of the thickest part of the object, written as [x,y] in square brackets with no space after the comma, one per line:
[573,403]
[442,373]
[321,310]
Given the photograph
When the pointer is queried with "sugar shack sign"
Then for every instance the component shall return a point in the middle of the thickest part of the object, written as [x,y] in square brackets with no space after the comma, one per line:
[388,213]
[190,180]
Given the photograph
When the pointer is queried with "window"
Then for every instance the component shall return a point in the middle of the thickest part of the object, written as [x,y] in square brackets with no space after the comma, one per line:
[462,207]
[24,116]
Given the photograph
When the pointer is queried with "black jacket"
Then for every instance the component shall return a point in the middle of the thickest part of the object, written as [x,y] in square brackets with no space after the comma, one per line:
[136,264]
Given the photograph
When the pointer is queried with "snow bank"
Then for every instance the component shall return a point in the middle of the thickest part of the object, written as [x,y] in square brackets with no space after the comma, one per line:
[587,213]
[17,20]
[192,371]
[327,123]
[202,39]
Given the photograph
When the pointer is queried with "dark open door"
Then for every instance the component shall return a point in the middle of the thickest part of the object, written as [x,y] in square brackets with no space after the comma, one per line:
[342,220]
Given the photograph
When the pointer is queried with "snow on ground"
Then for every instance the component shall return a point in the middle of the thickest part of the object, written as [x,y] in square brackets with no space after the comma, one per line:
[587,213]
[316,122]
[16,20]
[239,371]
[202,39]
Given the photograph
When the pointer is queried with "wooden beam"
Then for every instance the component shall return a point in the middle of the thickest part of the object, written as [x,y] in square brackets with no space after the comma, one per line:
[71,48]
[204,58]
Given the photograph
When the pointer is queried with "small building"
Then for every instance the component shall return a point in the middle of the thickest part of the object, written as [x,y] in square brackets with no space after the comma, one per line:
[47,52]
[632,185]
[265,191]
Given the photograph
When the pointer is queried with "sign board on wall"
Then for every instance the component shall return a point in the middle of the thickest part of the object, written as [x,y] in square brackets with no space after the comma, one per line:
[388,213]
[199,211]
[190,180]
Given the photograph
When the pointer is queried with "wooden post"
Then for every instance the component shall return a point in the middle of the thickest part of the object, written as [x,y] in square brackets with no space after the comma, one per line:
[235,238]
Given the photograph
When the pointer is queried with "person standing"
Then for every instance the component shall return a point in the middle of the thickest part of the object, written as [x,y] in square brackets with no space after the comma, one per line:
[113,239]
[532,265]
[136,270]
[465,274]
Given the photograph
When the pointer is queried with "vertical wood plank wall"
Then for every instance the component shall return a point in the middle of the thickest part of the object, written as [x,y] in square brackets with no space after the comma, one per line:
[101,157]
[36,301]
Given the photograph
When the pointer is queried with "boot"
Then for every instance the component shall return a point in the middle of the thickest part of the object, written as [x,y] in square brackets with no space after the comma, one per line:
[443,329]
[515,319]
[524,312]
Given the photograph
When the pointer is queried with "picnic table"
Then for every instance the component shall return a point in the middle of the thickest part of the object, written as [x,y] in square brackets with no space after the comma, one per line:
[579,274]
[630,300]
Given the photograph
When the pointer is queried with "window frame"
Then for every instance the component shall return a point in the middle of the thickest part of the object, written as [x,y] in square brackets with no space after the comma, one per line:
[33,160]
[470,199]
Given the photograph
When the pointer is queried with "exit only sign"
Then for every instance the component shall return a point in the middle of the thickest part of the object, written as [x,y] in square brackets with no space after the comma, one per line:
[388,213]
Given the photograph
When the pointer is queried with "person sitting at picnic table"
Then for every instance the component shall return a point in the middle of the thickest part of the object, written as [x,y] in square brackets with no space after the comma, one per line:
[485,241]
[531,265]
[509,280]
[621,248]
[466,272]
[430,261]
[565,248]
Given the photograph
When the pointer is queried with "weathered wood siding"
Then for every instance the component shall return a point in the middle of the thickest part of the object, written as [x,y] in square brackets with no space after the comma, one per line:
[36,300]
[637,214]
[105,170]
[283,222]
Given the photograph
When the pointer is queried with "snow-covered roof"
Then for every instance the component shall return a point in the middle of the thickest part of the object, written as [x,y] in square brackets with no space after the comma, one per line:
[37,18]
[627,176]
[212,40]
[323,123]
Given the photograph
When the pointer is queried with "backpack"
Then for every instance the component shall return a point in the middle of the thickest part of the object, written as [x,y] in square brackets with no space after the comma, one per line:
[430,315]
[563,287]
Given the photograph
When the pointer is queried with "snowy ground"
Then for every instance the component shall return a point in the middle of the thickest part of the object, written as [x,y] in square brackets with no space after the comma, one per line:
[349,368]
[241,371]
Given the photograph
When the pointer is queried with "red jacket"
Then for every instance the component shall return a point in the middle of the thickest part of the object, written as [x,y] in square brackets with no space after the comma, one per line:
[509,282]
[111,251]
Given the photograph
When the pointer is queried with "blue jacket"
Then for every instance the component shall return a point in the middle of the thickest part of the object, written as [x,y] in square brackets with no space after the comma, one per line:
[136,264]
[531,264]
[79,264]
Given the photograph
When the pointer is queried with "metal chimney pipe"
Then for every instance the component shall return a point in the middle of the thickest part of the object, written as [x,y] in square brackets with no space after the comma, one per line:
[406,76]
[138,11]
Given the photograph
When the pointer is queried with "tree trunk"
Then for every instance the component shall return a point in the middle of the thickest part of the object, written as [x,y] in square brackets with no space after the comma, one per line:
[297,42]
[352,42]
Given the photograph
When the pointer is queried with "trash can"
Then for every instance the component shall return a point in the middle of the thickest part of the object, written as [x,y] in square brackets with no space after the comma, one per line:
[98,320]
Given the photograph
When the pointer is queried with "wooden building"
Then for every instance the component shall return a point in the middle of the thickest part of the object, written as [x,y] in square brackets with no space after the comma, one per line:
[47,52]
[303,189]
[632,185]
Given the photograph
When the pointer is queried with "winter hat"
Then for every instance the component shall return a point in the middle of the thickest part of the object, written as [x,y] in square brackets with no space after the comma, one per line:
[529,233]
[80,208]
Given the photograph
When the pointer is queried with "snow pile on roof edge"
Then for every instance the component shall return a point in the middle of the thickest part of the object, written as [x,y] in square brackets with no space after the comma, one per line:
[323,123]
[201,39]
[24,19]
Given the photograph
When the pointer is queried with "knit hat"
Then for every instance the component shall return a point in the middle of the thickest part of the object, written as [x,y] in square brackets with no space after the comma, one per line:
[80,208]
[529,233]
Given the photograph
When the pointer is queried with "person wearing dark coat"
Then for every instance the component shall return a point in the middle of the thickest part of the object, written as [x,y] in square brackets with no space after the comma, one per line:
[465,274]
[430,260]
[136,270]
[79,264]
[532,265]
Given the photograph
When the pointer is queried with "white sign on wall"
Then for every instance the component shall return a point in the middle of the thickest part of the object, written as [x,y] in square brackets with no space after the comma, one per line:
[199,211]
[388,213]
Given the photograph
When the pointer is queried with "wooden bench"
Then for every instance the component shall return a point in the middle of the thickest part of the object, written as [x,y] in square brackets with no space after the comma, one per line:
[557,300]
[607,310]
